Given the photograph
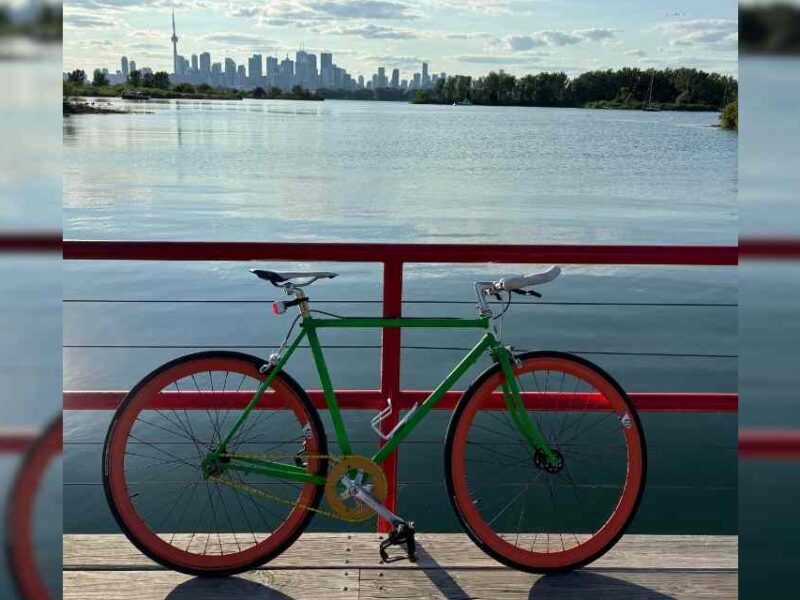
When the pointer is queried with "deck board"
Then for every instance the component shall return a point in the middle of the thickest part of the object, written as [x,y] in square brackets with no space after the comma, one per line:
[343,566]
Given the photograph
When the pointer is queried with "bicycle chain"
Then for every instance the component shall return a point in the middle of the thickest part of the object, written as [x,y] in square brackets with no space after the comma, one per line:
[251,490]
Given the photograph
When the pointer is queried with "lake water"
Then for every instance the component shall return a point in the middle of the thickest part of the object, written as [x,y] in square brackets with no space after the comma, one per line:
[393,172]
[769,324]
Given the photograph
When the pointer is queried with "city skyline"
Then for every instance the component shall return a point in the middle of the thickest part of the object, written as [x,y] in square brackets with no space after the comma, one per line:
[284,74]
[466,37]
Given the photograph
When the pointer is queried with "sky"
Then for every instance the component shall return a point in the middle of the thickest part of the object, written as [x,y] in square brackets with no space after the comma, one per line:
[470,37]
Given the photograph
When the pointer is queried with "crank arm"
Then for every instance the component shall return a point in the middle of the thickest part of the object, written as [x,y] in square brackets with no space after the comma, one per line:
[363,496]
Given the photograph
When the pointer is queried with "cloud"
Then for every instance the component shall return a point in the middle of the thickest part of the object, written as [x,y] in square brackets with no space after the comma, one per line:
[313,13]
[364,9]
[232,38]
[147,33]
[497,60]
[710,33]
[635,52]
[455,35]
[555,38]
[596,34]
[375,32]
[522,43]
[401,62]
[88,20]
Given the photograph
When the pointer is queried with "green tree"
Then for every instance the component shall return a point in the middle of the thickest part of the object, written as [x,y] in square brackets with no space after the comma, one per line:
[185,88]
[99,79]
[135,78]
[77,76]
[161,80]
[729,119]
[422,97]
[259,92]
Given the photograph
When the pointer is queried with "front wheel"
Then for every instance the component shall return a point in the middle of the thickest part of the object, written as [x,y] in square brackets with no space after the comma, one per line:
[526,511]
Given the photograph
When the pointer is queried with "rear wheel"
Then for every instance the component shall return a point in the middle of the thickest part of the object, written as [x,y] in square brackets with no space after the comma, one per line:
[531,513]
[159,438]
[33,539]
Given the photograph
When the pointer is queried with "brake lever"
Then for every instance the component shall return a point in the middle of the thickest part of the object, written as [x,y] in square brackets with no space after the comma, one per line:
[528,293]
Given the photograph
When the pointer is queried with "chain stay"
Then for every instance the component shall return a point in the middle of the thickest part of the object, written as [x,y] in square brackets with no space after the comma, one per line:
[261,493]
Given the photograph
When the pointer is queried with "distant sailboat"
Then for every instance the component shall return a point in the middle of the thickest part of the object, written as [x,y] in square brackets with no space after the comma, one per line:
[650,107]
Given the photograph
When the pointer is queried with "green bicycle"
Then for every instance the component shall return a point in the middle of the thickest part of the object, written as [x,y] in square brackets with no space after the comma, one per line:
[217,461]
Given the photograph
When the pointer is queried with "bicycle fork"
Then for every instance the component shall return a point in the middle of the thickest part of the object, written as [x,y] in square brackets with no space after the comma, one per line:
[519,415]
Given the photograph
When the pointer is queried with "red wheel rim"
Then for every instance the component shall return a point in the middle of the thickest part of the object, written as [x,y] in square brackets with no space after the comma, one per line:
[613,526]
[128,513]
[22,551]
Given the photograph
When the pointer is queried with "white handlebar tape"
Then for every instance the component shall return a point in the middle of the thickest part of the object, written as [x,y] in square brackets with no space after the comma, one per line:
[517,283]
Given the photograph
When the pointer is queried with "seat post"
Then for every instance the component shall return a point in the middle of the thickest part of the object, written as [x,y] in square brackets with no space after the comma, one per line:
[303,305]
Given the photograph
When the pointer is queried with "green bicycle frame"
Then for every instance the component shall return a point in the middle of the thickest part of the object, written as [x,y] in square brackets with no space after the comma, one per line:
[310,325]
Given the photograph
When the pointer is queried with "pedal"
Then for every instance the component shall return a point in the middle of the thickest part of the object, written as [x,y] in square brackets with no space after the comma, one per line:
[402,534]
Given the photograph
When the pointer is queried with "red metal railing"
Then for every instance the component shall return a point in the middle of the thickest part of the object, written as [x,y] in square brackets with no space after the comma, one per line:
[394,257]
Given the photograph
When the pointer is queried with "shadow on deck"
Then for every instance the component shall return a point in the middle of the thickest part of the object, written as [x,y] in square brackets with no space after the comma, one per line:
[346,566]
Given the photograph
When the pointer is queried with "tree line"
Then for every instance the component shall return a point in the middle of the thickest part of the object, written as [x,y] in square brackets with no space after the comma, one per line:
[622,88]
[769,28]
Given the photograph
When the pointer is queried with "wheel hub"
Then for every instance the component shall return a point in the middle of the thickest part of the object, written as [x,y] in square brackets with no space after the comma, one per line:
[550,466]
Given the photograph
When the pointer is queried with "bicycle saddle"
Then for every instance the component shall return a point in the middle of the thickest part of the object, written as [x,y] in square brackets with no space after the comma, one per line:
[281,279]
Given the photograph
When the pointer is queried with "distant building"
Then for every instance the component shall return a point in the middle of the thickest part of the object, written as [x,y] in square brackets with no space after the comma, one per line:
[395,78]
[326,69]
[361,82]
[124,72]
[255,70]
[286,73]
[305,70]
[404,84]
[415,84]
[132,66]
[195,64]
[426,79]
[230,72]
[205,64]
[272,71]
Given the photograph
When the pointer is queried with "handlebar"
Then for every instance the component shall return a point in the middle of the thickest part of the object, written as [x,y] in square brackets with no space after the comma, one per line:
[510,284]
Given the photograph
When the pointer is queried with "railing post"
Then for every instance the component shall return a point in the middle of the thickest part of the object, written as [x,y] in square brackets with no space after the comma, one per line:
[390,372]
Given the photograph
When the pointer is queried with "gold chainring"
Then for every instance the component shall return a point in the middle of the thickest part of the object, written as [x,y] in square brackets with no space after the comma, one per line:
[368,473]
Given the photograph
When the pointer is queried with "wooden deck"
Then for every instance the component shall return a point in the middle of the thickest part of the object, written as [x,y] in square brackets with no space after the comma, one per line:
[346,566]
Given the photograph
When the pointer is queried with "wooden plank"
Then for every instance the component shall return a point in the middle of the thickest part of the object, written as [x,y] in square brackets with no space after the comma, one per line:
[451,550]
[299,584]
[498,585]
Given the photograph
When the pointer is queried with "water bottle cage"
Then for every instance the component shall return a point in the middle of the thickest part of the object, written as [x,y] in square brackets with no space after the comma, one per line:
[376,421]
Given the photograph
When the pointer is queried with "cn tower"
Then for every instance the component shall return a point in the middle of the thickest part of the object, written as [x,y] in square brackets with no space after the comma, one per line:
[174,46]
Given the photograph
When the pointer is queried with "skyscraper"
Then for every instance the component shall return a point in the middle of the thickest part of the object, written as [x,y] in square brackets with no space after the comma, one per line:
[395,78]
[272,71]
[286,73]
[255,66]
[326,69]
[124,68]
[230,72]
[426,79]
[205,64]
[174,45]
[194,62]
[132,66]
[381,79]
